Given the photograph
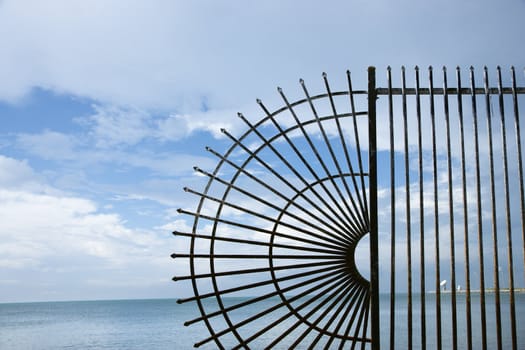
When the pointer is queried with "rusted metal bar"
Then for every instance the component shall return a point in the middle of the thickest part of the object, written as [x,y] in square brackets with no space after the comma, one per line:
[436,210]
[468,307]
[422,289]
[454,325]
[510,265]
[408,212]
[372,163]
[519,157]
[494,225]
[479,215]
[392,215]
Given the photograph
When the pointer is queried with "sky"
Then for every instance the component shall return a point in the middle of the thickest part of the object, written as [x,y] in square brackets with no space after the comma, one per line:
[106,106]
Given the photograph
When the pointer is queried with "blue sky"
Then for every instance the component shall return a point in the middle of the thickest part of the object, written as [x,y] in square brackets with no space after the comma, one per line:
[106,106]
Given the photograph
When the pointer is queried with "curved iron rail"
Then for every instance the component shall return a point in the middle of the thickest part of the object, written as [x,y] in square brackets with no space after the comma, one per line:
[272,248]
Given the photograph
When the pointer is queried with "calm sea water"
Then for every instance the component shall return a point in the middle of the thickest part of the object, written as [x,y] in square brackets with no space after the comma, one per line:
[121,324]
[158,324]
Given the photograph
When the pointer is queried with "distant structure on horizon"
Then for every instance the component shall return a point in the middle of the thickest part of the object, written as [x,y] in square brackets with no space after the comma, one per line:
[443,284]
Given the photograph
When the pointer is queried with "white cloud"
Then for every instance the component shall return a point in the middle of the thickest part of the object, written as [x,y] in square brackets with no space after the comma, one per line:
[176,225]
[54,234]
[50,145]
[55,223]
[15,173]
[172,55]
[46,231]
[111,126]
[180,126]
[174,127]
[82,152]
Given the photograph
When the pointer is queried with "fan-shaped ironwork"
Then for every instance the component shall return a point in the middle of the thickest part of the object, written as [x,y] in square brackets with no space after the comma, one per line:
[272,250]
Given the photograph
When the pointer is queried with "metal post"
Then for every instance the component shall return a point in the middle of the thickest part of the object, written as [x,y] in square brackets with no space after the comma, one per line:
[372,159]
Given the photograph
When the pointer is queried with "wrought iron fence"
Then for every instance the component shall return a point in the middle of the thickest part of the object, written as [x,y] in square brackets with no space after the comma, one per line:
[278,254]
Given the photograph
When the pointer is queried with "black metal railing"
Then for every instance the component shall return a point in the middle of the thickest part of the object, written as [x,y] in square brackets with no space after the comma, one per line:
[459,195]
[277,253]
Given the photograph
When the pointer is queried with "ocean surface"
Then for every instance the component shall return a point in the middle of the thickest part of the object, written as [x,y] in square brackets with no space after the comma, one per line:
[158,324]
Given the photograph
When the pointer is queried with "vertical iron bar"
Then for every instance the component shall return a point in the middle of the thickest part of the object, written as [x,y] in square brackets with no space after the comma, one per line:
[408,219]
[372,154]
[392,213]
[465,211]
[436,212]
[421,217]
[451,216]
[479,215]
[520,159]
[507,212]
[493,207]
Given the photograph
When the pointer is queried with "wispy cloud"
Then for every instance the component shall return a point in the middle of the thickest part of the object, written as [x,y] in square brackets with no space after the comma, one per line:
[43,230]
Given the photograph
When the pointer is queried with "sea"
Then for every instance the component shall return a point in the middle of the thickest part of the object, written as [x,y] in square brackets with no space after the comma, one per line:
[158,324]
